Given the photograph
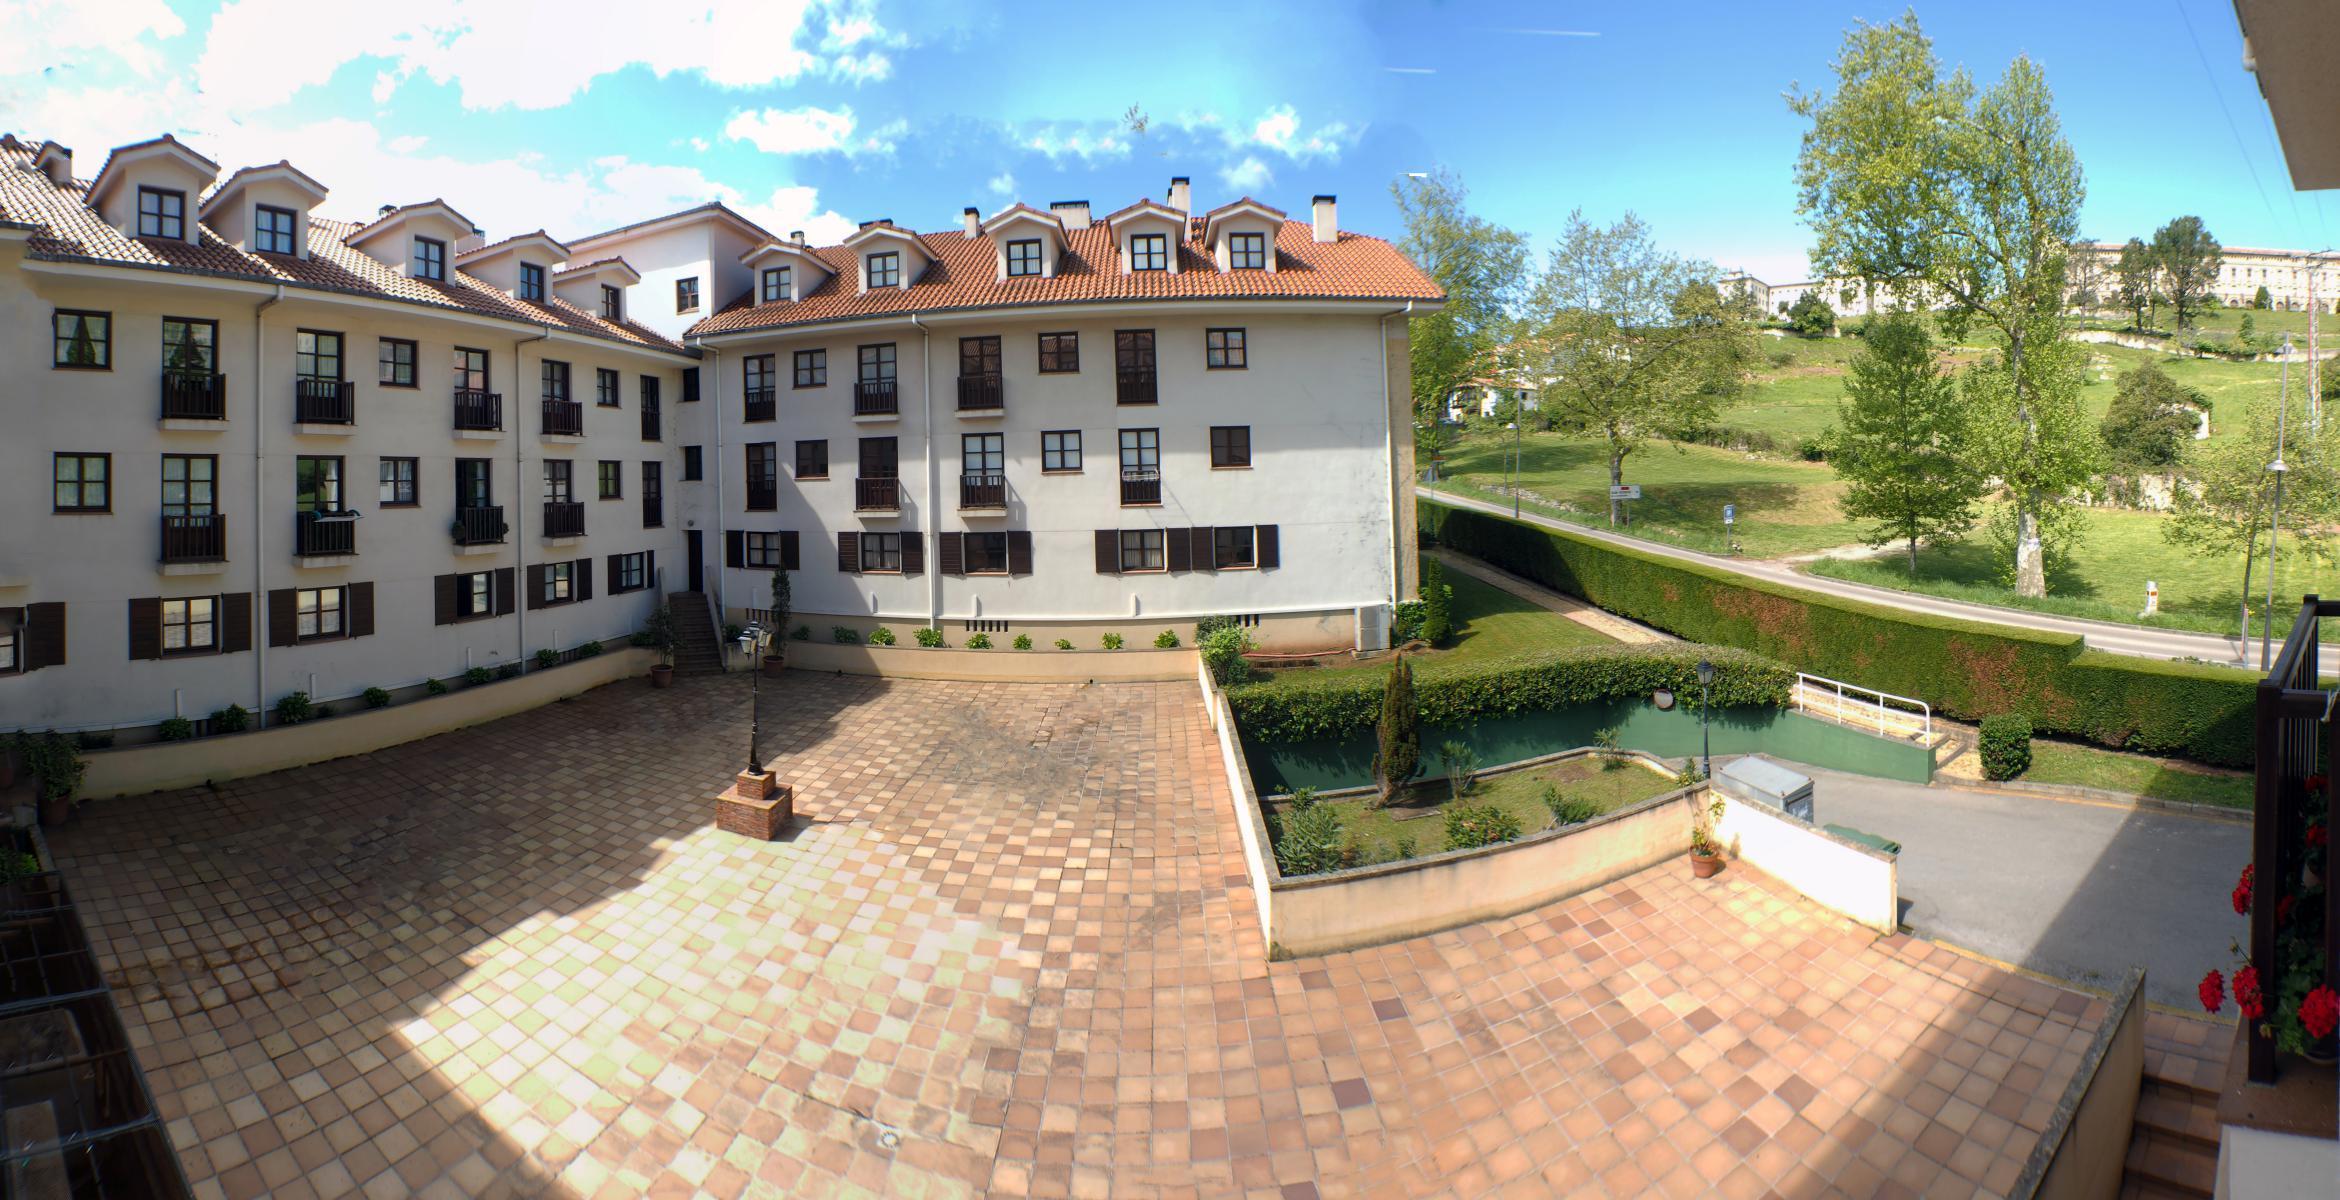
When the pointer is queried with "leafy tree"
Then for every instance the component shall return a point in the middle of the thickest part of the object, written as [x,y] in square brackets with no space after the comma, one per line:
[1635,341]
[1398,737]
[1902,441]
[2227,509]
[2265,298]
[1811,317]
[2135,275]
[2151,418]
[1482,268]
[1927,185]
[2189,258]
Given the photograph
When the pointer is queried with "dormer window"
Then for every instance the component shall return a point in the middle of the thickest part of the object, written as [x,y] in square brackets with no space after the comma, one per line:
[885,269]
[272,229]
[1247,252]
[532,282]
[162,213]
[686,294]
[612,303]
[1023,257]
[430,258]
[1149,252]
[775,285]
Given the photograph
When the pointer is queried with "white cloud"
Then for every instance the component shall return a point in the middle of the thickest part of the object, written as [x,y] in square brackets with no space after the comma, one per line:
[1002,184]
[43,34]
[408,144]
[1250,175]
[811,130]
[798,207]
[1087,147]
[1279,129]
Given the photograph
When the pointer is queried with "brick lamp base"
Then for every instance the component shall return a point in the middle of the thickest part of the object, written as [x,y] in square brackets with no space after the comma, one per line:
[753,806]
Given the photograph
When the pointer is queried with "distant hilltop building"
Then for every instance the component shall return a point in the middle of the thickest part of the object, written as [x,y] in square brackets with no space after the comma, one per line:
[2243,271]
[1849,297]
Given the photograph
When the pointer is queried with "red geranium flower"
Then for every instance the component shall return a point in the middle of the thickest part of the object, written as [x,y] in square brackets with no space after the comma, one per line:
[2212,991]
[2283,911]
[2246,993]
[2320,1012]
[2242,889]
[2315,783]
[2317,835]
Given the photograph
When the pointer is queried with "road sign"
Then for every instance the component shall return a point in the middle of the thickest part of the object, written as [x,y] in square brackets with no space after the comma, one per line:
[1730,513]
[1625,491]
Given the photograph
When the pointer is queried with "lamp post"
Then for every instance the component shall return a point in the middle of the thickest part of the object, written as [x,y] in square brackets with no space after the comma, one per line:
[1705,742]
[2275,526]
[751,640]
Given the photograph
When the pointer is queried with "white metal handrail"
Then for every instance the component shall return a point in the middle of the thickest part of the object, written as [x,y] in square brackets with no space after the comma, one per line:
[1821,683]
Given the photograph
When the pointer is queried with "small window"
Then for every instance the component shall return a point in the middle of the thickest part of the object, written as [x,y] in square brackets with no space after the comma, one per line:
[653,497]
[1023,257]
[885,269]
[605,387]
[559,582]
[1060,450]
[398,482]
[317,483]
[190,348]
[317,613]
[1141,550]
[1223,349]
[475,594]
[397,363]
[317,355]
[273,230]
[190,626]
[555,376]
[774,285]
[812,459]
[686,294]
[881,552]
[693,464]
[756,374]
[613,305]
[763,476]
[633,572]
[812,368]
[979,356]
[1230,445]
[1247,252]
[471,369]
[764,551]
[190,485]
[1233,547]
[608,475]
[877,363]
[84,483]
[531,282]
[985,553]
[1149,252]
[85,340]
[558,486]
[162,213]
[1060,353]
[430,258]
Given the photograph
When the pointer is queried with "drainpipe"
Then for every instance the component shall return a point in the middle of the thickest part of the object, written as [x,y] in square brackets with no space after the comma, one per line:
[1397,579]
[712,385]
[259,492]
[520,509]
[934,508]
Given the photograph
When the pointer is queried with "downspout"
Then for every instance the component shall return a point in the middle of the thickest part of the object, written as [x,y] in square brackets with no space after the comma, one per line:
[933,469]
[712,385]
[520,509]
[1397,578]
[259,492]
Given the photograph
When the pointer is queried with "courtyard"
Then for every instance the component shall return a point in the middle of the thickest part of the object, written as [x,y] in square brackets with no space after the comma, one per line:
[1008,948]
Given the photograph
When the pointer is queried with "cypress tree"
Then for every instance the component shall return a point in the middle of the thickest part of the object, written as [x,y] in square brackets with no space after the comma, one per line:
[1437,618]
[1398,748]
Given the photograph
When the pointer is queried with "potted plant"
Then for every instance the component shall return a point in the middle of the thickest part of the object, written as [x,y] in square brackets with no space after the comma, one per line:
[51,758]
[658,633]
[775,652]
[1705,852]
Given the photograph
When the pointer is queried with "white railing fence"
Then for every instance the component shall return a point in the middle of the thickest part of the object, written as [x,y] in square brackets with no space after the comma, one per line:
[1853,705]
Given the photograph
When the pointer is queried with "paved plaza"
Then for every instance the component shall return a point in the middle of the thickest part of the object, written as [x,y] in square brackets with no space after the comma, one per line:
[1009,948]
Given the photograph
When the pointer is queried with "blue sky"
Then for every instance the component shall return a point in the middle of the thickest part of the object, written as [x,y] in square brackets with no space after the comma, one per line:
[585,114]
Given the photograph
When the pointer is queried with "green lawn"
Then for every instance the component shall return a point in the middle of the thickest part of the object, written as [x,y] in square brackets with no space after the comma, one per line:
[2161,779]
[1380,834]
[1489,623]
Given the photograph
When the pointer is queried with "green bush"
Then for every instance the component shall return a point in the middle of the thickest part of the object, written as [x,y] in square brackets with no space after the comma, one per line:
[845,636]
[478,675]
[1023,641]
[2006,745]
[547,657]
[1461,764]
[1112,641]
[292,708]
[1166,640]
[1965,669]
[881,636]
[1437,604]
[1064,643]
[1469,825]
[731,632]
[1222,651]
[94,741]
[377,698]
[1397,731]
[979,641]
[508,671]
[436,687]
[1405,621]
[1308,837]
[802,633]
[177,729]
[932,638]
[235,718]
[589,649]
[1567,809]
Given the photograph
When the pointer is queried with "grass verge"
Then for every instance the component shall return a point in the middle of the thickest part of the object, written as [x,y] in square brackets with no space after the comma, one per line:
[2137,774]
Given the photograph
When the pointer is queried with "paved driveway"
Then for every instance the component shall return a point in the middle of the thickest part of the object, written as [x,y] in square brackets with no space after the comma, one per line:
[1010,950]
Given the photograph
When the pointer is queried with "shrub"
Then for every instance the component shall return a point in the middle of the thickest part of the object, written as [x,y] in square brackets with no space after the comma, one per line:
[94,741]
[508,671]
[1811,316]
[1405,621]
[980,641]
[589,649]
[235,718]
[1112,641]
[643,639]
[1965,669]
[1397,734]
[1308,836]
[1064,643]
[1567,809]
[1209,625]
[292,708]
[2006,745]
[1437,604]
[53,759]
[802,633]
[1222,651]
[1605,743]
[478,675]
[547,657]
[845,636]
[1166,640]
[1023,641]
[1462,767]
[880,636]
[377,698]
[1469,825]
[932,638]
[177,729]
[436,687]
[731,632]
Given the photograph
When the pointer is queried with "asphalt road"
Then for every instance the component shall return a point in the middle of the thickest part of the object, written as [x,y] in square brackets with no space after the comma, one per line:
[2101,635]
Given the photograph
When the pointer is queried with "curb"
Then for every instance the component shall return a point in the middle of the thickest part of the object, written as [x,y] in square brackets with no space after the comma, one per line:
[2070,791]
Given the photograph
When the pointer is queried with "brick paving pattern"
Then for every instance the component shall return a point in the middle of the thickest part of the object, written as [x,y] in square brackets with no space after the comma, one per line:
[1008,949]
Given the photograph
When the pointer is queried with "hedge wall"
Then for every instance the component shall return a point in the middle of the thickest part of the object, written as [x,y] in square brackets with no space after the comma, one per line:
[1965,669]
[1301,708]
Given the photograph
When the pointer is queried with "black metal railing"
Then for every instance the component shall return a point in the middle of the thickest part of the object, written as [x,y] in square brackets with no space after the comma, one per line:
[2295,745]
[877,495]
[564,417]
[187,397]
[316,533]
[324,402]
[980,393]
[196,537]
[479,525]
[1141,485]
[983,491]
[1134,385]
[761,405]
[564,518]
[875,398]
[479,411]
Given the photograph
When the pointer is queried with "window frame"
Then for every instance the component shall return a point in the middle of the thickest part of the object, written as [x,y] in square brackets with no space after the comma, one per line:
[609,479]
[1144,442]
[613,303]
[475,587]
[804,444]
[983,351]
[187,623]
[653,493]
[104,342]
[810,368]
[385,361]
[316,354]
[772,285]
[768,470]
[187,505]
[177,218]
[1158,552]
[759,372]
[1219,559]
[337,476]
[262,235]
[1067,349]
[317,613]
[983,453]
[1226,348]
[80,483]
[1060,452]
[1238,250]
[877,362]
[635,565]
[532,282]
[994,564]
[686,294]
[694,464]
[464,371]
[429,259]
[763,550]
[390,481]
[190,325]
[1031,253]
[560,583]
[869,552]
[1223,438]
[560,480]
[893,269]
[1149,252]
[608,388]
[554,377]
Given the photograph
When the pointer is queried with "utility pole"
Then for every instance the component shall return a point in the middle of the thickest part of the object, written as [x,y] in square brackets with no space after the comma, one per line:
[2275,527]
[2315,378]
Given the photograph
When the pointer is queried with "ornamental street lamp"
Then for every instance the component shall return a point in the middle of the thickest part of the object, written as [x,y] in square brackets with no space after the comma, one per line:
[1705,743]
[751,641]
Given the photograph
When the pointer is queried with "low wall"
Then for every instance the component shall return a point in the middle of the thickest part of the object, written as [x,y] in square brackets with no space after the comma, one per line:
[993,666]
[1319,631]
[2085,1147]
[1852,879]
[1250,822]
[161,766]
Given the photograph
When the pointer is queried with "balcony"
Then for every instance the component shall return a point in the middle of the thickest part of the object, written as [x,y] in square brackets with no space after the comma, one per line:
[1134,385]
[760,405]
[763,497]
[564,418]
[1140,486]
[983,491]
[317,535]
[324,402]
[479,412]
[877,495]
[564,518]
[874,398]
[980,393]
[653,512]
[482,525]
[193,397]
[650,423]
[199,537]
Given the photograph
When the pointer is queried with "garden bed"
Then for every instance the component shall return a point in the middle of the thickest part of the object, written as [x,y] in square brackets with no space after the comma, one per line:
[1415,822]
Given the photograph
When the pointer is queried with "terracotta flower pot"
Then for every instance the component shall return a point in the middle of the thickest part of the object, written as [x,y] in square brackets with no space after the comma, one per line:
[55,809]
[1704,864]
[774,663]
[662,675]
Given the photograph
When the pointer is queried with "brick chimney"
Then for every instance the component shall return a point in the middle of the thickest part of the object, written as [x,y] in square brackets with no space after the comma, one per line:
[797,236]
[1328,228]
[1181,195]
[972,221]
[1074,213]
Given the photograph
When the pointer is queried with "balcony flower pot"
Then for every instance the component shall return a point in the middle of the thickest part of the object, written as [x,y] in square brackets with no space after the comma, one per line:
[55,808]
[775,662]
[1704,863]
[662,675]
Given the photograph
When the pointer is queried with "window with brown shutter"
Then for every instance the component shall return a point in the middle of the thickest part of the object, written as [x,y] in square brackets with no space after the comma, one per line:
[235,623]
[735,548]
[505,577]
[1109,552]
[913,552]
[11,640]
[582,570]
[443,600]
[947,552]
[536,587]
[146,628]
[1264,537]
[849,553]
[283,617]
[44,635]
[1176,552]
[361,610]
[1198,540]
[1019,551]
[788,551]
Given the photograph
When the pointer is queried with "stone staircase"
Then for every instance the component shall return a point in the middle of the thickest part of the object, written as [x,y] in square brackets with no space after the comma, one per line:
[696,650]
[2173,1147]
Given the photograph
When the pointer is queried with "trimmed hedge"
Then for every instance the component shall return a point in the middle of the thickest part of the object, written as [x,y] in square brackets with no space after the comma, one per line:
[1965,669]
[1454,695]
[2006,745]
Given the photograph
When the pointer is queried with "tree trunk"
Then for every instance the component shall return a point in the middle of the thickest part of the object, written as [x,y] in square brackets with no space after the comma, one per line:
[1913,556]
[1616,480]
[2030,556]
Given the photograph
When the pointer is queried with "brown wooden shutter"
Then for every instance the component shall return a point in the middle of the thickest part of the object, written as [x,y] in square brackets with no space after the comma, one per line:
[581,581]
[235,623]
[788,551]
[44,635]
[1264,547]
[649,568]
[1176,549]
[504,591]
[146,628]
[734,548]
[614,582]
[950,553]
[849,553]
[284,617]
[1109,552]
[1205,548]
[443,599]
[361,610]
[535,598]
[1019,551]
[913,552]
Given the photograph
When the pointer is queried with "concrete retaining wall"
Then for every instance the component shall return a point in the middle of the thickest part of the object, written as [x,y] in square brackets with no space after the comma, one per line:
[2086,1144]
[1852,879]
[992,666]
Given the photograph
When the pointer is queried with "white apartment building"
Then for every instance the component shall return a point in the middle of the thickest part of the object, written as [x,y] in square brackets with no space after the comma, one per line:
[2246,269]
[263,451]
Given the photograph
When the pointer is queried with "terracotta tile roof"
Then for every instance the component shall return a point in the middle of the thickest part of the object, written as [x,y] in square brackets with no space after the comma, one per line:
[70,231]
[963,276]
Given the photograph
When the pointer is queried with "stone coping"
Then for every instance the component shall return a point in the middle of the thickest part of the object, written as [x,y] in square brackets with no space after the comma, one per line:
[2100,1148]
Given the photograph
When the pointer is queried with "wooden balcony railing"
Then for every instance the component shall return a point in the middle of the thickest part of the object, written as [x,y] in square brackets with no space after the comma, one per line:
[324,402]
[564,418]
[196,537]
[882,494]
[479,525]
[564,518]
[983,491]
[761,405]
[980,393]
[479,411]
[1134,386]
[874,398]
[188,397]
[317,534]
[1141,485]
